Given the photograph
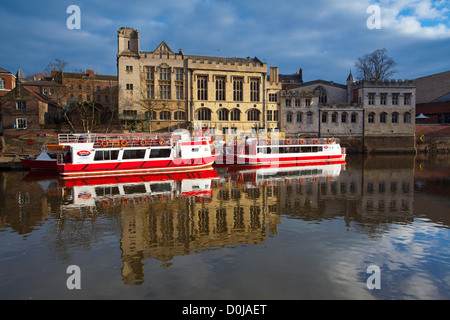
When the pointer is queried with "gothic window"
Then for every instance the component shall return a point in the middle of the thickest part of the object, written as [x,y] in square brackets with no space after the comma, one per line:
[383,117]
[395,117]
[164,91]
[179,115]
[179,74]
[149,73]
[344,117]
[235,115]
[395,99]
[202,88]
[371,99]
[165,115]
[238,89]
[309,118]
[179,91]
[334,117]
[220,88]
[289,117]
[371,117]
[324,117]
[254,89]
[164,74]
[223,114]
[383,99]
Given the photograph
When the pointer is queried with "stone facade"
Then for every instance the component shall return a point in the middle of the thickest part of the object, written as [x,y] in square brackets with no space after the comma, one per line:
[368,111]
[165,90]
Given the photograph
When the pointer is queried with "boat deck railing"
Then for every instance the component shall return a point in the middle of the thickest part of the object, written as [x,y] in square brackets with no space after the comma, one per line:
[287,142]
[122,140]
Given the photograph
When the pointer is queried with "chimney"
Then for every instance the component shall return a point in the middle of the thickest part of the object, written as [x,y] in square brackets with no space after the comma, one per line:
[300,74]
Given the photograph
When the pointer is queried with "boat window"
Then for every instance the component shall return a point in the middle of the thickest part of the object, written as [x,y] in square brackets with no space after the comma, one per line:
[160,153]
[101,155]
[133,154]
[195,149]
[134,189]
[161,187]
[106,191]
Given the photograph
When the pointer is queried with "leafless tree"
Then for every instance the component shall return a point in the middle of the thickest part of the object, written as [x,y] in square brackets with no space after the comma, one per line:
[376,65]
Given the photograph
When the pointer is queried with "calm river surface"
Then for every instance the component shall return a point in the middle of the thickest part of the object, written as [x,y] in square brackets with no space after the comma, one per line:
[304,233]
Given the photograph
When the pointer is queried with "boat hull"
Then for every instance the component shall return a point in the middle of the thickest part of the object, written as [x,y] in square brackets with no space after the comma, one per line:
[280,160]
[34,164]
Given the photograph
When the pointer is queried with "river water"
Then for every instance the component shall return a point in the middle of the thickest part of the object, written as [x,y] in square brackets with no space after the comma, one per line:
[375,228]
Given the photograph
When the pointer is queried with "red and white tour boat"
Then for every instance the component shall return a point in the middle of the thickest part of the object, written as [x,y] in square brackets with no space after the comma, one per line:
[94,154]
[253,151]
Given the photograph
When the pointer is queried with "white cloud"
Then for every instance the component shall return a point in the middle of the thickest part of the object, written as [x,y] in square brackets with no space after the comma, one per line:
[420,19]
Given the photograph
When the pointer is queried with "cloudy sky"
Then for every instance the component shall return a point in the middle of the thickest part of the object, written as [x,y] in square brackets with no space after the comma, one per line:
[323,37]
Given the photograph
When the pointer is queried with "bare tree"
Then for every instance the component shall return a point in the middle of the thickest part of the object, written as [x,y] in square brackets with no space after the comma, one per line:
[376,65]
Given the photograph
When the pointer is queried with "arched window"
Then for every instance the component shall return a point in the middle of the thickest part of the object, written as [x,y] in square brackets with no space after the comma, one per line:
[223,114]
[344,117]
[165,115]
[289,117]
[371,117]
[179,115]
[395,117]
[235,115]
[324,117]
[253,115]
[383,117]
[407,117]
[334,117]
[299,117]
[204,114]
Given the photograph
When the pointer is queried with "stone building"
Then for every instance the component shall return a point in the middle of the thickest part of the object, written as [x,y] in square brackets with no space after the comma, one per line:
[166,90]
[377,115]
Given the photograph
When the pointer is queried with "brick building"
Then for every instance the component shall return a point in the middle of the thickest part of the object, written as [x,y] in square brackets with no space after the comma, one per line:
[88,86]
[25,107]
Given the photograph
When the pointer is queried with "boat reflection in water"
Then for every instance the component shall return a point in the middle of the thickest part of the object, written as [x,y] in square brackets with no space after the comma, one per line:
[124,189]
[163,216]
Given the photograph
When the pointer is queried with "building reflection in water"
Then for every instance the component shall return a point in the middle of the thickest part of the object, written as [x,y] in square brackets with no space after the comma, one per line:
[164,216]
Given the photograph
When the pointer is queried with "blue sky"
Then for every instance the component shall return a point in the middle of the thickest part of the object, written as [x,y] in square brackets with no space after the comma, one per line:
[323,37]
